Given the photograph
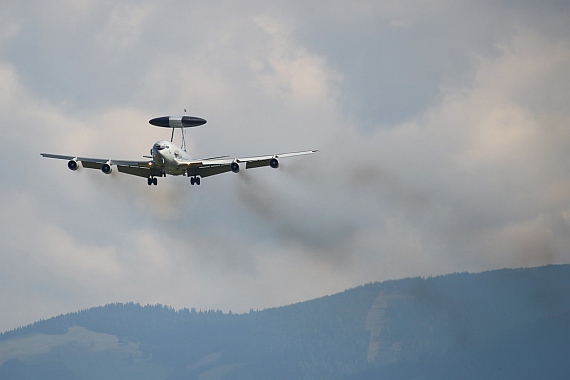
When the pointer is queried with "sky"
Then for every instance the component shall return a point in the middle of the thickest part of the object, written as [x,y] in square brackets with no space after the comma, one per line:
[443,128]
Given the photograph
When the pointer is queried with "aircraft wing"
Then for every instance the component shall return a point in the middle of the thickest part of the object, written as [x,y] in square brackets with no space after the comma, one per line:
[280,155]
[97,160]
[201,167]
[138,168]
[218,165]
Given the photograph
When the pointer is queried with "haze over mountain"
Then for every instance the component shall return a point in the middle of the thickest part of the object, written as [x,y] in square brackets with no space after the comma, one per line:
[500,324]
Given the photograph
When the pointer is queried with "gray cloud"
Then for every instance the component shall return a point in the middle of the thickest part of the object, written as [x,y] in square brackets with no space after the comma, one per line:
[442,129]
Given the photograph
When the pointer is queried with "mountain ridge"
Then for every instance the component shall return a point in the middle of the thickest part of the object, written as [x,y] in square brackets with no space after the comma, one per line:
[426,327]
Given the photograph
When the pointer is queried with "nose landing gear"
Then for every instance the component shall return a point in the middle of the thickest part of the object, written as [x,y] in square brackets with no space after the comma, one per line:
[152,181]
[195,180]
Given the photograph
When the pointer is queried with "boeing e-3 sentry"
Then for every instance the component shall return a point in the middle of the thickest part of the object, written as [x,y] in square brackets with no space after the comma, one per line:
[167,158]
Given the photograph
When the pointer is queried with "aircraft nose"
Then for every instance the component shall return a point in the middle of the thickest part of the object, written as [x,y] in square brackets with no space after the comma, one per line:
[160,121]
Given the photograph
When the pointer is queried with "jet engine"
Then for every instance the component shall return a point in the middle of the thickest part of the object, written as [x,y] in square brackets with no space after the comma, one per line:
[106,168]
[72,164]
[274,163]
[234,166]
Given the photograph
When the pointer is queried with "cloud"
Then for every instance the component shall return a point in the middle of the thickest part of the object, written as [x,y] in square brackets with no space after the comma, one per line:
[439,151]
[124,26]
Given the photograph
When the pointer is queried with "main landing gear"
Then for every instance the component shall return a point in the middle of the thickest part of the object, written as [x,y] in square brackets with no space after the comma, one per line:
[152,179]
[195,180]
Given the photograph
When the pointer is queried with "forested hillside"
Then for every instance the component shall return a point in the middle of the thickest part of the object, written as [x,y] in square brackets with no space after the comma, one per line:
[506,323]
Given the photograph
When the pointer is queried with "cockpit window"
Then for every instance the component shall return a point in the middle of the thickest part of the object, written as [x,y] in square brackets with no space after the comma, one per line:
[160,146]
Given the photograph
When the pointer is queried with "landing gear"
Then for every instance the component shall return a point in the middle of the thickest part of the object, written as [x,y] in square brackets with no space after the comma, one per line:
[195,180]
[152,181]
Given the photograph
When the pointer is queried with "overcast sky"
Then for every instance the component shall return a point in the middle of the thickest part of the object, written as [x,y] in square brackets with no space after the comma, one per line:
[443,126]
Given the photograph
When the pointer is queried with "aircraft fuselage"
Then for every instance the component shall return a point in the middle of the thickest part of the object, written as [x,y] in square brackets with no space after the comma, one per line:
[167,156]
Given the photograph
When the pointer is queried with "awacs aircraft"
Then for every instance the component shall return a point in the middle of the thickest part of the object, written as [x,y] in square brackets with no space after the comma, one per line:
[167,158]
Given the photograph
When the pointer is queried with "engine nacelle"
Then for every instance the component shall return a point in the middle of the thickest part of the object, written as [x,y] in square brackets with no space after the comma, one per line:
[274,163]
[106,168]
[73,165]
[234,166]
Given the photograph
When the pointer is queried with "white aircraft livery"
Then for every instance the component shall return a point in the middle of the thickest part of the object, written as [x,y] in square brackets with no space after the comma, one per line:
[167,158]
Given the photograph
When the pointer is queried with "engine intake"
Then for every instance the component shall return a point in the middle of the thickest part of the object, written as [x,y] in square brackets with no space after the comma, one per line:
[274,163]
[234,166]
[106,168]
[73,165]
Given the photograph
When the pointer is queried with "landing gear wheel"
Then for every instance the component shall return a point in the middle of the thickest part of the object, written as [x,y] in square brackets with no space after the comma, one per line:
[149,181]
[198,181]
[155,181]
[192,180]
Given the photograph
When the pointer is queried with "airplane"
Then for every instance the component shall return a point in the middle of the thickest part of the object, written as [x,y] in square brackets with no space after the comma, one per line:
[167,158]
